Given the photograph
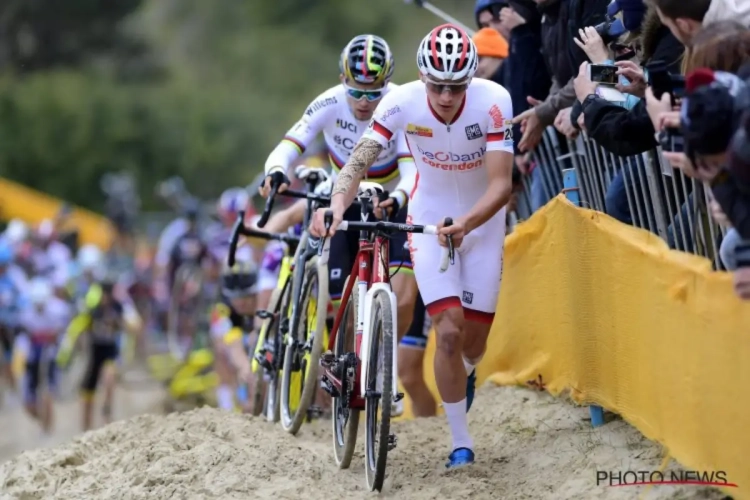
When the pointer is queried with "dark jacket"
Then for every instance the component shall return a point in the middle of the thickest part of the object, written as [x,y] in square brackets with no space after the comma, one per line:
[524,72]
[629,132]
[560,23]
[734,201]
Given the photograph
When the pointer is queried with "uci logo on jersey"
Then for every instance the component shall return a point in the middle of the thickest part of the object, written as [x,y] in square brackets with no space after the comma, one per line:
[351,127]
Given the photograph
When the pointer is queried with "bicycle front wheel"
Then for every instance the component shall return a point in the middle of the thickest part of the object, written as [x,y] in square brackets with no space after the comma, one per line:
[302,356]
[379,393]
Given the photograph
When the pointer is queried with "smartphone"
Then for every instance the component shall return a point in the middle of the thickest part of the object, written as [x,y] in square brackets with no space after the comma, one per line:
[671,140]
[603,74]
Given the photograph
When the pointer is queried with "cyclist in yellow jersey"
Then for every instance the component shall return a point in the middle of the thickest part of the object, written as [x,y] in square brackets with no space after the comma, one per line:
[104,318]
[231,325]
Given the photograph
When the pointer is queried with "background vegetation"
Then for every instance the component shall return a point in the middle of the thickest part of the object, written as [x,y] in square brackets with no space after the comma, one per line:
[190,87]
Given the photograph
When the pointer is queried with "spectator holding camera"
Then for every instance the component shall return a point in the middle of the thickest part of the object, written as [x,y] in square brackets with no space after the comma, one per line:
[562,20]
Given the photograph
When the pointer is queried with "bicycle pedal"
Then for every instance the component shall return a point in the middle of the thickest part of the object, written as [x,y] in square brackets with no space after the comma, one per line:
[262,359]
[399,397]
[392,440]
[327,359]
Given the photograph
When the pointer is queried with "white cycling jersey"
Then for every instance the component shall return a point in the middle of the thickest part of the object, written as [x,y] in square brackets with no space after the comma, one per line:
[451,177]
[45,326]
[330,114]
[54,262]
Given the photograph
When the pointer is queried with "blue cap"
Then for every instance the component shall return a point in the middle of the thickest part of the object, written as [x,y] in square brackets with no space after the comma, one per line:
[481,5]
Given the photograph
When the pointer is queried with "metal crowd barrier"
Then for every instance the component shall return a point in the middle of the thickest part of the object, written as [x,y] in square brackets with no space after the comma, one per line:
[641,190]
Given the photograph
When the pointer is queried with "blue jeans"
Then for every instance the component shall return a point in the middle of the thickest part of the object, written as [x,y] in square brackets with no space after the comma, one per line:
[539,189]
[630,179]
[680,227]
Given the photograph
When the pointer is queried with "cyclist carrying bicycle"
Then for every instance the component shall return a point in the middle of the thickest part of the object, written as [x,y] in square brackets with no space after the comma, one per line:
[342,114]
[231,325]
[42,322]
[459,128]
[104,318]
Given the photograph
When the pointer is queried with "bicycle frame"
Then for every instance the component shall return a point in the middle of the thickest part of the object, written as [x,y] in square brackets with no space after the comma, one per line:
[369,281]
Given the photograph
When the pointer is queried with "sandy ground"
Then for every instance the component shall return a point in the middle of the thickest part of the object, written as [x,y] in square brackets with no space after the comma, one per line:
[20,433]
[529,446]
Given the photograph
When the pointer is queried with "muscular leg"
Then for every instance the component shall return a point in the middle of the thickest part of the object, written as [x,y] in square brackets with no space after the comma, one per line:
[475,341]
[450,373]
[109,372]
[405,287]
[411,374]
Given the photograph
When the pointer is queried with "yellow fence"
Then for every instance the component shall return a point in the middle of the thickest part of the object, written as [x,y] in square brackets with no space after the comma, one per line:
[18,201]
[607,312]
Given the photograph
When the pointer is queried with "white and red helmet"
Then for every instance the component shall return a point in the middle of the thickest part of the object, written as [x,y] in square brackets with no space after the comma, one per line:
[447,54]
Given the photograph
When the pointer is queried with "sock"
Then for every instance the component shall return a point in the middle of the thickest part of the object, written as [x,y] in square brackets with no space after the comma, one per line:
[224,397]
[469,367]
[456,413]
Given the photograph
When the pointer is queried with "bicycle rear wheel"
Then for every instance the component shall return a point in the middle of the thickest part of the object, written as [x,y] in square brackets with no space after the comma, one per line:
[345,420]
[302,357]
[379,393]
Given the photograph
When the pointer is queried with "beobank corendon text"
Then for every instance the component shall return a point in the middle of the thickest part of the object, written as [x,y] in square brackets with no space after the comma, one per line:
[468,161]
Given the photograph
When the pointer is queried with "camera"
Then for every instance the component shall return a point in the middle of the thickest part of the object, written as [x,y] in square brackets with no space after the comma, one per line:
[662,81]
[612,28]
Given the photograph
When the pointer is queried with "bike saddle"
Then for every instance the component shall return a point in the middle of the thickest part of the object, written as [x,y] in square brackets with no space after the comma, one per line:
[369,189]
[314,174]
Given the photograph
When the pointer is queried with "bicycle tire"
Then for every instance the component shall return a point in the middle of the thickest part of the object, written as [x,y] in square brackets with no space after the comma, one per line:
[292,422]
[345,421]
[258,371]
[381,330]
[273,391]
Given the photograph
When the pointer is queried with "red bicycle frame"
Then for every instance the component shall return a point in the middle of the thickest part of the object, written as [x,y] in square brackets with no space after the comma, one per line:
[369,252]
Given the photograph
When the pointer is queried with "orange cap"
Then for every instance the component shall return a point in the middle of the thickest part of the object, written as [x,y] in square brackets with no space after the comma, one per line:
[490,43]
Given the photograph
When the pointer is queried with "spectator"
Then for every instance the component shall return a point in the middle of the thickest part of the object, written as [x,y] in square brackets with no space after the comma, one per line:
[621,131]
[492,49]
[487,15]
[524,71]
[562,20]
[686,18]
[622,128]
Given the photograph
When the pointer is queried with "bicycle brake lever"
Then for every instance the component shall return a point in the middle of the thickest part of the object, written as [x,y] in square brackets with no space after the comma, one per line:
[449,237]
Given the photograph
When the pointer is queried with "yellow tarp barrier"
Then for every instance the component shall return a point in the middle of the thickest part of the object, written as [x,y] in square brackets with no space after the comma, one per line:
[18,201]
[609,313]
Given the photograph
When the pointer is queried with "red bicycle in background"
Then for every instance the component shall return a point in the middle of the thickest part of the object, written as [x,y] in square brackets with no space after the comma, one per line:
[359,366]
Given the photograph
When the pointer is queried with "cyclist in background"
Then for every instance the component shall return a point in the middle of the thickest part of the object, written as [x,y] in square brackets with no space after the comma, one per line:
[231,324]
[90,264]
[50,258]
[342,114]
[461,129]
[104,318]
[42,322]
[11,303]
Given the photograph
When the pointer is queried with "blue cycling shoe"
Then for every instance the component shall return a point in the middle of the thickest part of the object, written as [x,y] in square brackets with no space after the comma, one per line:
[460,457]
[471,384]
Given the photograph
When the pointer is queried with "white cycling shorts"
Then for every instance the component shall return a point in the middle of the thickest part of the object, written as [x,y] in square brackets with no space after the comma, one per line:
[472,282]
